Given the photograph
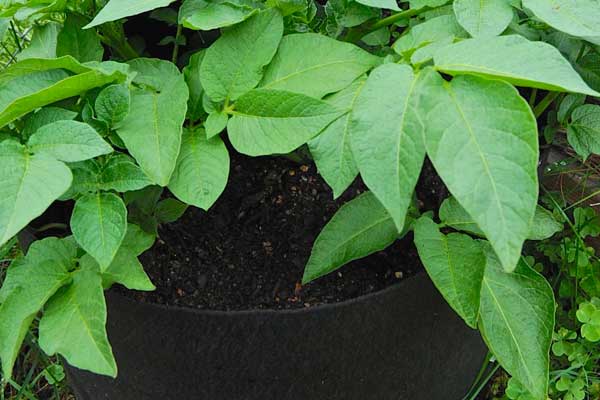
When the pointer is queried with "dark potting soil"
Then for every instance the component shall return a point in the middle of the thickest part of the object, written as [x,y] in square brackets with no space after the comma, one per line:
[249,250]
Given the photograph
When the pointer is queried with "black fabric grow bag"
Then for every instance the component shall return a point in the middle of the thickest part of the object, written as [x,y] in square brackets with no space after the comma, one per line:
[400,343]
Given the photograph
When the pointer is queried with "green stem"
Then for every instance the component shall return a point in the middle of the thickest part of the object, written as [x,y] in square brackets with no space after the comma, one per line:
[14,32]
[533,97]
[355,34]
[115,39]
[545,103]
[176,46]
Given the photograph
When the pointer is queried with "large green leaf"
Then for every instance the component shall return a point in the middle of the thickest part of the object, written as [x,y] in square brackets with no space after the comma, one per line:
[583,131]
[456,264]
[513,59]
[29,283]
[152,129]
[34,83]
[359,228]
[99,224]
[483,17]
[387,137]
[273,121]
[84,45]
[202,169]
[482,139]
[332,66]
[30,183]
[117,9]
[213,14]
[234,63]
[73,324]
[576,17]
[68,141]
[517,321]
[331,149]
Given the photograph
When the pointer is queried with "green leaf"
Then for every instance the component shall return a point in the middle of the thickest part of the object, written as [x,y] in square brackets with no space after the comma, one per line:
[170,210]
[568,104]
[456,264]
[77,315]
[33,83]
[452,214]
[112,104]
[191,74]
[117,9]
[202,169]
[332,66]
[359,228]
[45,116]
[431,31]
[331,149]
[583,132]
[29,283]
[215,123]
[576,17]
[488,165]
[514,59]
[544,225]
[99,224]
[127,270]
[30,183]
[213,14]
[387,4]
[272,121]
[43,43]
[152,129]
[387,137]
[84,45]
[120,173]
[589,315]
[68,141]
[234,63]
[483,17]
[517,321]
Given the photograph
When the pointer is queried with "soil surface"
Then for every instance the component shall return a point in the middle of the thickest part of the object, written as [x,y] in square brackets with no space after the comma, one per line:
[249,250]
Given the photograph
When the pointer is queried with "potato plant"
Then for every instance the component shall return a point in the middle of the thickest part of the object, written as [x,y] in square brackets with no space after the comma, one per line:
[370,87]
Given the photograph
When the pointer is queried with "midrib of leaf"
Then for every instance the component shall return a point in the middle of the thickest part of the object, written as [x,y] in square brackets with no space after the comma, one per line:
[401,127]
[481,155]
[510,330]
[26,158]
[156,129]
[241,66]
[348,116]
[298,72]
[480,15]
[101,220]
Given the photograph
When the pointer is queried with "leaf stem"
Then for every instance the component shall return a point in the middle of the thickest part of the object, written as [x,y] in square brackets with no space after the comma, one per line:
[14,32]
[545,103]
[176,46]
[357,33]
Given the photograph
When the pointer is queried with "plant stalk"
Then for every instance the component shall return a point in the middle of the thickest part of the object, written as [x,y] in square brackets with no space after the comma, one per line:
[176,46]
[355,34]
[544,104]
